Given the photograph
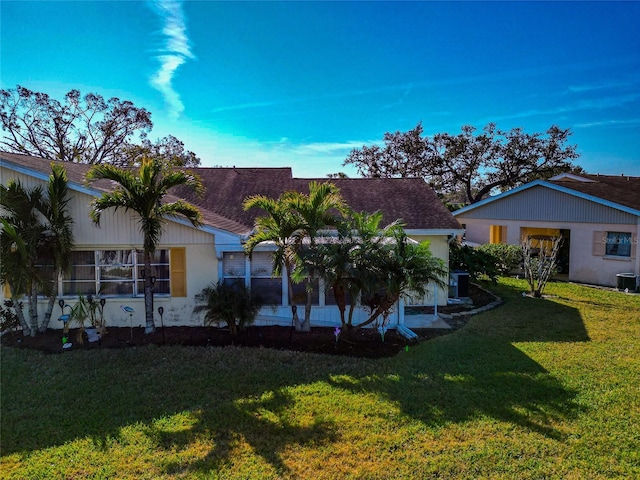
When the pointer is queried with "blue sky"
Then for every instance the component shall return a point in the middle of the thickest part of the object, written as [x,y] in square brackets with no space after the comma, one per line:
[302,83]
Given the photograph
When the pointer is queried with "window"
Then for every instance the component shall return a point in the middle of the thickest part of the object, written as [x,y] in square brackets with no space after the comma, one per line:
[159,270]
[299,292]
[618,244]
[81,280]
[263,284]
[116,273]
[233,265]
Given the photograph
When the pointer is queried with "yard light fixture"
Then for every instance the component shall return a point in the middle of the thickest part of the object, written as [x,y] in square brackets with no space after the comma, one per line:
[161,311]
[129,310]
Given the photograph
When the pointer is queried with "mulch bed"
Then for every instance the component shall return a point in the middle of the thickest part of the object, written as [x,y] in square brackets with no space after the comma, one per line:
[365,342]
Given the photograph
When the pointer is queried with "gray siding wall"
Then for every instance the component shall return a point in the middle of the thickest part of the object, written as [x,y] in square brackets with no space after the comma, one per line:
[544,204]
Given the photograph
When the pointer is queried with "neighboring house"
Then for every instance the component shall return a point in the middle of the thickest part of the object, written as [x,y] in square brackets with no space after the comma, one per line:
[108,259]
[598,217]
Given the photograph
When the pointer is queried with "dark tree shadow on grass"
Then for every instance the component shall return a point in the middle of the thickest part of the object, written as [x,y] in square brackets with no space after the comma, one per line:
[526,319]
[467,376]
[228,399]
[236,394]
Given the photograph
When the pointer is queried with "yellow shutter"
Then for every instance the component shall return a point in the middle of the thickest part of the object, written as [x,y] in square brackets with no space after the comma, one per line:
[178,261]
[498,234]
[493,233]
[6,291]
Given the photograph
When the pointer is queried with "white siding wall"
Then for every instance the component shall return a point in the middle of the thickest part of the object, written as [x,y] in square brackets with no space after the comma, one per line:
[439,248]
[120,230]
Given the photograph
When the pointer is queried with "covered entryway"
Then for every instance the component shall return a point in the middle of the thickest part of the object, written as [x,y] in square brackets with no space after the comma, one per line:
[540,234]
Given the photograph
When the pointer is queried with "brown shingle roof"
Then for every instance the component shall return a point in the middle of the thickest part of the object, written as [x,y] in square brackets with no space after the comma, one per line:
[408,199]
[617,189]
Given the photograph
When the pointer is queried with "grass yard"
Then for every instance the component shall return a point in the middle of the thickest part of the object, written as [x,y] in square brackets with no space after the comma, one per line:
[538,388]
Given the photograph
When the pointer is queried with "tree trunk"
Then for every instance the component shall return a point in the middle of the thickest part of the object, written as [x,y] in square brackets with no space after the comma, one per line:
[385,305]
[33,310]
[294,309]
[26,331]
[49,311]
[338,293]
[306,325]
[148,295]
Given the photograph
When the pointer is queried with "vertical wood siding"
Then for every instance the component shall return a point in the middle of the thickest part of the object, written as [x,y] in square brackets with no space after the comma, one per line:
[544,204]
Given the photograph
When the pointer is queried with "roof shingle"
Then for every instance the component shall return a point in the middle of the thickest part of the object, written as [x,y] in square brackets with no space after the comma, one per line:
[408,199]
[617,189]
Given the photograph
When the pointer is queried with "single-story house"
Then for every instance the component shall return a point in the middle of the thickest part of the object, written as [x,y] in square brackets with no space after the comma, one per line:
[598,217]
[107,260]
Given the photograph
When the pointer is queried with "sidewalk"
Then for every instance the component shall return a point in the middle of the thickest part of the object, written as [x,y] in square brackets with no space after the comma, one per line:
[425,321]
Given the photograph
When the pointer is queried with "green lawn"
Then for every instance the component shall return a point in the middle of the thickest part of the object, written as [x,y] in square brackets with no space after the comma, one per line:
[537,388]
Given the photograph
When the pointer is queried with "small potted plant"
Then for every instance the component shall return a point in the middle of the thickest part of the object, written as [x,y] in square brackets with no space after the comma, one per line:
[96,316]
[78,315]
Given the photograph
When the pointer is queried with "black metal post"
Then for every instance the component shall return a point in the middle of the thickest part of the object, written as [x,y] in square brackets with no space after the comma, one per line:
[161,311]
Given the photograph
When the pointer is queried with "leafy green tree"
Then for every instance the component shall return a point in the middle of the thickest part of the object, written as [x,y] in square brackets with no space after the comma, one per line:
[376,265]
[59,239]
[23,229]
[144,192]
[400,267]
[171,150]
[279,226]
[293,223]
[343,256]
[475,163]
[316,211]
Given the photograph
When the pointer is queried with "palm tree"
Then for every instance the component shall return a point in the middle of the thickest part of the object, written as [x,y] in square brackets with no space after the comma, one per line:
[59,235]
[399,267]
[22,232]
[379,265]
[343,257]
[316,211]
[279,227]
[144,193]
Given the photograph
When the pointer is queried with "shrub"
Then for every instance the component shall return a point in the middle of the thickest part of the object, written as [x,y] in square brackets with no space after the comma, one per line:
[8,318]
[228,302]
[506,258]
[479,264]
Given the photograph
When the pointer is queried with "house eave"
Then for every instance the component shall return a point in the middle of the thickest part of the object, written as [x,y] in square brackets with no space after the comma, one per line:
[434,231]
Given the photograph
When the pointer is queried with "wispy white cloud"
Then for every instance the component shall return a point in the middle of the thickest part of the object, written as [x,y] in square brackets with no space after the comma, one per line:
[175,52]
[309,159]
[631,122]
[594,87]
[245,106]
[583,105]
